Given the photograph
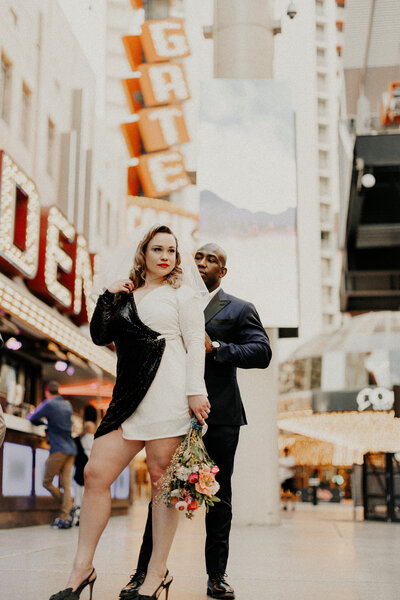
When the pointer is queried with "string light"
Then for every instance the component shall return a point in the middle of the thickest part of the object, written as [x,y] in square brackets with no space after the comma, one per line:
[26,260]
[57,257]
[351,434]
[36,314]
[84,276]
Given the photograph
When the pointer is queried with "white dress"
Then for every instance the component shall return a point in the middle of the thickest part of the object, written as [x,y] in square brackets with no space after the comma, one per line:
[177,315]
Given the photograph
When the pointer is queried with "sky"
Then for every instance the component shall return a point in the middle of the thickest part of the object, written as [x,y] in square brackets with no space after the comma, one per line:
[246,143]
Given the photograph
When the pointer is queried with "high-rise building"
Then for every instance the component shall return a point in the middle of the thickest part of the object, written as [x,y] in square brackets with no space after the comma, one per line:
[308,58]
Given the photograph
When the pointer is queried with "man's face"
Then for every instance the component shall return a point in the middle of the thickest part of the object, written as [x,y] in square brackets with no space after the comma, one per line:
[211,265]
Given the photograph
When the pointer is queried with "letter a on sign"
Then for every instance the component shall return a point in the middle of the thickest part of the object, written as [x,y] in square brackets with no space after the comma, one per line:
[164,83]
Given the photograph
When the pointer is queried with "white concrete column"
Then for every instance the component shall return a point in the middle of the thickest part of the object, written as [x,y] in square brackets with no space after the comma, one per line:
[256,490]
[243,39]
[243,48]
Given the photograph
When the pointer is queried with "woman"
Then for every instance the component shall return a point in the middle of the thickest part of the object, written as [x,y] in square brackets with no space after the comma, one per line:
[157,326]
[84,445]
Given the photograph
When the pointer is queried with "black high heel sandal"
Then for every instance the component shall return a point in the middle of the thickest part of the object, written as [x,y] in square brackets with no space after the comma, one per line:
[164,585]
[70,594]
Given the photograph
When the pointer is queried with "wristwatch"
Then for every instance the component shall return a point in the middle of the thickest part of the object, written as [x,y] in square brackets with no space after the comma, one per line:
[215,346]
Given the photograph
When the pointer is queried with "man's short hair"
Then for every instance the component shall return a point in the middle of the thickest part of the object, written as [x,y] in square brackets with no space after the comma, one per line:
[52,387]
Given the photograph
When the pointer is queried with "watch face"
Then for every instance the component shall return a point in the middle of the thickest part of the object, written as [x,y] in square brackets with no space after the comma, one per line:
[215,345]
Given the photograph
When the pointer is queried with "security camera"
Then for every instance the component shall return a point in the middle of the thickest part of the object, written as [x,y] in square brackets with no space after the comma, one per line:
[291,10]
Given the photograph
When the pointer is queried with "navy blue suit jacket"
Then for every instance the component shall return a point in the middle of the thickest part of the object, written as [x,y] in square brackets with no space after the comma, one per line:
[235,324]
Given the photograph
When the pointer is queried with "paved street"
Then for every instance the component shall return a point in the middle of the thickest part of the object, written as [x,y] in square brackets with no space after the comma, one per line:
[316,553]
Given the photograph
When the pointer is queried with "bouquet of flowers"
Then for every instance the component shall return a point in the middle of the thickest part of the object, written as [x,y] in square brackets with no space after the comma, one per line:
[189,480]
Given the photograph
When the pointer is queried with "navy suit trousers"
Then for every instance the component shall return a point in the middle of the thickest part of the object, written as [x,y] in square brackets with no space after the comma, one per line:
[221,442]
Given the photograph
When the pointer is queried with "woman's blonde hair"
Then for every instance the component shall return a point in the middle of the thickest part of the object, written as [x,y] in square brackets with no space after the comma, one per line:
[138,272]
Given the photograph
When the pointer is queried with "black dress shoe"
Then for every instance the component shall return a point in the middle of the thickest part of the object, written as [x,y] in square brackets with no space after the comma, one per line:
[130,591]
[218,587]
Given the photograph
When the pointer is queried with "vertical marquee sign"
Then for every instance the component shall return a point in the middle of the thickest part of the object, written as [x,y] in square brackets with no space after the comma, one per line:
[156,97]
[40,245]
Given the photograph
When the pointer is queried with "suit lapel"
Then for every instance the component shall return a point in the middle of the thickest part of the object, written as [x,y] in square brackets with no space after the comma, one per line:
[217,303]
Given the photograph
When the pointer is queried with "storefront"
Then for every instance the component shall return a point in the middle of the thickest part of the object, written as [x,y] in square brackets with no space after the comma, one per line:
[339,414]
[46,274]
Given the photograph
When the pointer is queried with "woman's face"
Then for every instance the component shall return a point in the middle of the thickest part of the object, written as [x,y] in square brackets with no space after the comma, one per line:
[160,255]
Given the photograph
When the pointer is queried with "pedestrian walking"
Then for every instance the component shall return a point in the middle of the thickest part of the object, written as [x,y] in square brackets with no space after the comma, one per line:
[235,338]
[58,412]
[157,326]
[287,465]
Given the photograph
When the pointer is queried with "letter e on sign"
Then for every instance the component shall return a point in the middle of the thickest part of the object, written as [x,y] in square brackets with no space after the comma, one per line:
[164,40]
[162,173]
[55,276]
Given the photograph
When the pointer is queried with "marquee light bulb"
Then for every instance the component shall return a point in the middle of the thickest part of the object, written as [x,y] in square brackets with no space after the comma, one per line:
[368,180]
[13,344]
[61,365]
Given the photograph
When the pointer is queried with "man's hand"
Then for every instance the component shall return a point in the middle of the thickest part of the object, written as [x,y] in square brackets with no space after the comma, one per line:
[208,343]
[199,406]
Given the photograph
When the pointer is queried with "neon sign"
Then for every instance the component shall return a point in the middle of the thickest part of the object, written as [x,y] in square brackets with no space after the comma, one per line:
[156,97]
[40,245]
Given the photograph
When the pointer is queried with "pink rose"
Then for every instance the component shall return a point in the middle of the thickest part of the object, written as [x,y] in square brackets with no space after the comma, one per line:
[193,478]
[215,470]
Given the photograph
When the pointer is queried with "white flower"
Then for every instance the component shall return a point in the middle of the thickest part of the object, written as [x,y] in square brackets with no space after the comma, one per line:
[181,505]
[174,493]
[182,473]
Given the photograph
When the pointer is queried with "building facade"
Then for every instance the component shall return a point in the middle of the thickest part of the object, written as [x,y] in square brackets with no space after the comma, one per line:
[61,196]
[307,56]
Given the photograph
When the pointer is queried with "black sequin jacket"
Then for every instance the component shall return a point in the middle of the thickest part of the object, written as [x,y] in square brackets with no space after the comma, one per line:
[139,354]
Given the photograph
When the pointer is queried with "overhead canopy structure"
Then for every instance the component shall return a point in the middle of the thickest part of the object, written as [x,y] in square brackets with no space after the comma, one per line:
[371,49]
[350,434]
[365,333]
[18,302]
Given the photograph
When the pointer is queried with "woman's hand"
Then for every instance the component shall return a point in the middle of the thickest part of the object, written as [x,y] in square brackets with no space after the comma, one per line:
[122,285]
[199,406]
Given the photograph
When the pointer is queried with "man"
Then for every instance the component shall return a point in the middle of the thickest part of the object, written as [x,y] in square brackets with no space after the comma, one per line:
[61,460]
[235,338]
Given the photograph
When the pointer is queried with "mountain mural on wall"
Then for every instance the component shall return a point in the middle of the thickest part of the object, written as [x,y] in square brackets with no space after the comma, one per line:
[219,217]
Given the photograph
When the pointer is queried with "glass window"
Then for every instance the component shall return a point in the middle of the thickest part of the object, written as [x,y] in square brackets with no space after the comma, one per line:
[51,136]
[108,223]
[5,89]
[120,487]
[41,455]
[321,82]
[25,114]
[320,30]
[17,470]
[99,210]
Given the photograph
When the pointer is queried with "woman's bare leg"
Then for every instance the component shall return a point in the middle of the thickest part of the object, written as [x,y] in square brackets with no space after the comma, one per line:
[109,457]
[165,520]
